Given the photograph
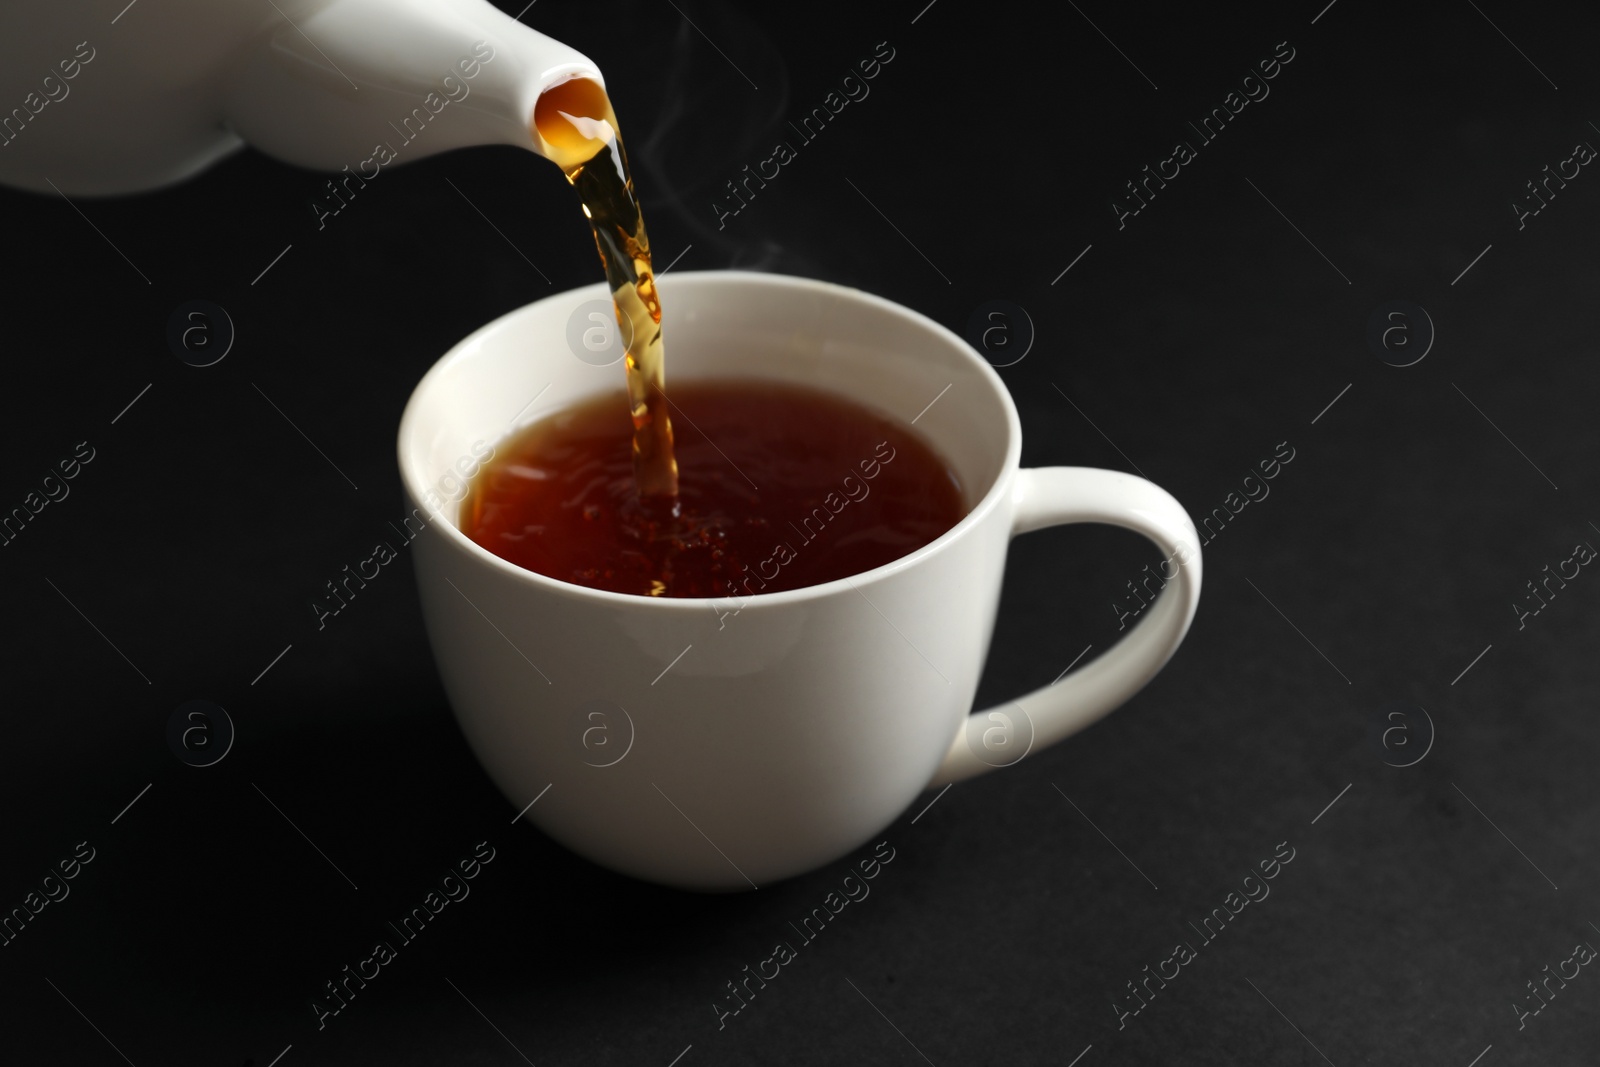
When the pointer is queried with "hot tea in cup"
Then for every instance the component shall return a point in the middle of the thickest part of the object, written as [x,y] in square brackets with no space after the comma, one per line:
[725,741]
[780,487]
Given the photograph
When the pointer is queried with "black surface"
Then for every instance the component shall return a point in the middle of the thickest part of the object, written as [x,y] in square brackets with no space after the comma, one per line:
[1382,568]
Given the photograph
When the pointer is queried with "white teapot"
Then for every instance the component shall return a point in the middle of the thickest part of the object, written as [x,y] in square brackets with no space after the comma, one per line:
[117,97]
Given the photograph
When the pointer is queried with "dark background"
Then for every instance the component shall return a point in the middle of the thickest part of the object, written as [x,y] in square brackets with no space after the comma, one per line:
[1197,339]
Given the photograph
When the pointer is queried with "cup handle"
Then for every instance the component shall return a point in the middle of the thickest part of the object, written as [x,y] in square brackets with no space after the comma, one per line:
[1055,496]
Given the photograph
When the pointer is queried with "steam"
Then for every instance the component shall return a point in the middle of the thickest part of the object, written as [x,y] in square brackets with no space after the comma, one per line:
[709,124]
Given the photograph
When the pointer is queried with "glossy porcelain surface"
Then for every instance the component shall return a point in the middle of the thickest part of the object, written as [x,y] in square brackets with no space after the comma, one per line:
[723,744]
[114,105]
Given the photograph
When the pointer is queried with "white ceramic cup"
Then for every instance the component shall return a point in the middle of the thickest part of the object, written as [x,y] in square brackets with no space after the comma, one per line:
[723,744]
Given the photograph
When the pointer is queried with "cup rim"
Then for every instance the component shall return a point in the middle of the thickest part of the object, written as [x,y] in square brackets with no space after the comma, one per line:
[974,516]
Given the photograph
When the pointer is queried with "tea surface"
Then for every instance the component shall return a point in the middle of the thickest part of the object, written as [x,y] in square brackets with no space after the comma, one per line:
[782,487]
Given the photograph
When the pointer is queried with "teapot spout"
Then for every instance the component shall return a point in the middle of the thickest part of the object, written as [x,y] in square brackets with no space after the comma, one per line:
[358,84]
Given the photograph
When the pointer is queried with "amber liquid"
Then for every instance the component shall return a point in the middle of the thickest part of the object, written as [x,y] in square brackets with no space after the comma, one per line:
[782,487]
[576,121]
